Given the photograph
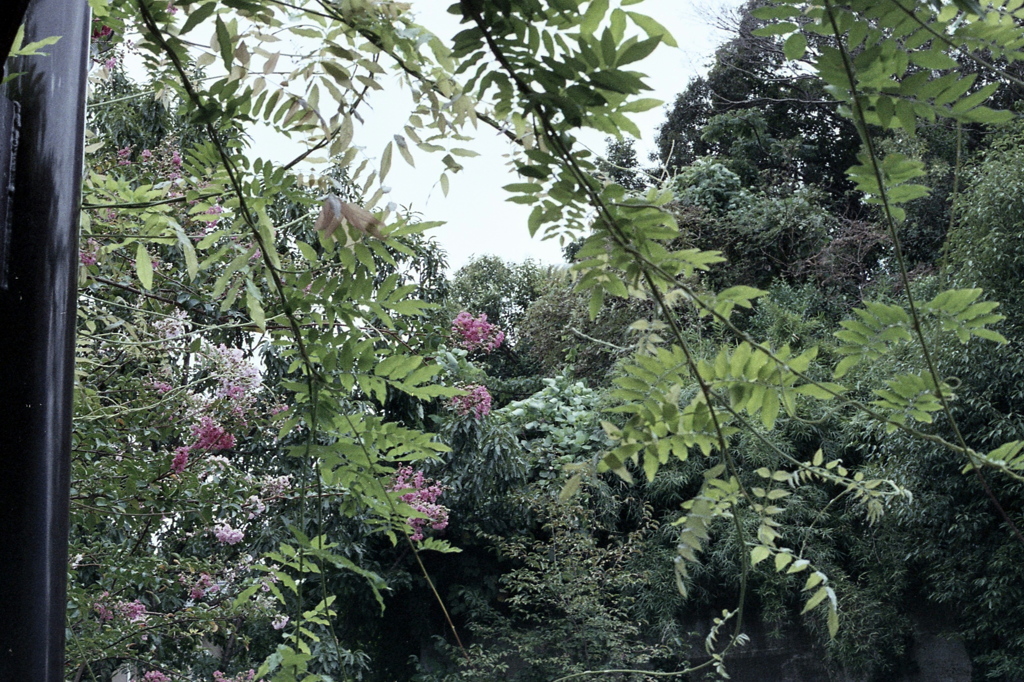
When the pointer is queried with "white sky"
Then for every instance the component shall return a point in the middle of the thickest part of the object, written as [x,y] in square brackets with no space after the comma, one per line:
[479,219]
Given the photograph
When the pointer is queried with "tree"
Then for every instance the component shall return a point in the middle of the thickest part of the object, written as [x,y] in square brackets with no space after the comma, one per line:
[772,124]
[201,287]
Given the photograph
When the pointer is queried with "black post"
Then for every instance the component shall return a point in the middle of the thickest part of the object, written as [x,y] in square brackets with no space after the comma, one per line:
[42,115]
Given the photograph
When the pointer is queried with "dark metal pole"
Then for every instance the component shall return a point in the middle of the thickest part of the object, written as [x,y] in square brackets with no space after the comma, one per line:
[42,115]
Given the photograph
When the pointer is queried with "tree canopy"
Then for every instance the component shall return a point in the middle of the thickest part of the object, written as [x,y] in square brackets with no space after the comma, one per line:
[770,389]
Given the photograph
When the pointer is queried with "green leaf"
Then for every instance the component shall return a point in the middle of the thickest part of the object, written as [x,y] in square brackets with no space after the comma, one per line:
[795,46]
[593,16]
[307,251]
[652,28]
[638,51]
[618,81]
[255,307]
[818,597]
[781,28]
[385,162]
[144,266]
[934,60]
[570,488]
[403,149]
[640,105]
[224,42]
[197,16]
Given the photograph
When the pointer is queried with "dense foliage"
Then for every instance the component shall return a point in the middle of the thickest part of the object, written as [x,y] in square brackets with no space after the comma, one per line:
[767,391]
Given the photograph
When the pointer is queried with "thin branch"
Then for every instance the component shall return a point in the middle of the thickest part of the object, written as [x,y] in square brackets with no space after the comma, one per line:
[148,204]
[132,289]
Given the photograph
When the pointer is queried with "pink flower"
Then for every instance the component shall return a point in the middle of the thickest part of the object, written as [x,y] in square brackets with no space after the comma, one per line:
[180,460]
[101,32]
[239,379]
[422,496]
[476,333]
[172,326]
[175,159]
[134,612]
[228,535]
[146,155]
[279,622]
[257,506]
[155,676]
[88,254]
[198,591]
[101,608]
[161,386]
[211,436]
[274,487]
[477,402]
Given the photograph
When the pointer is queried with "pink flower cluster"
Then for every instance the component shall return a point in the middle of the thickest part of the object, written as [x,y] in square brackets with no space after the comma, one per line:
[90,254]
[275,486]
[211,436]
[102,31]
[239,379]
[422,496]
[161,386]
[180,460]
[172,326]
[228,535]
[476,333]
[155,676]
[134,612]
[477,402]
[131,611]
[203,585]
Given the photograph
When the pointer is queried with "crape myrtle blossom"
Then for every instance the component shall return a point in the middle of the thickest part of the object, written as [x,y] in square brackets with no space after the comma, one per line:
[274,486]
[155,676]
[476,333]
[237,392]
[255,506]
[421,494]
[180,460]
[476,402]
[131,611]
[201,586]
[172,326]
[227,535]
[238,379]
[211,436]
[246,676]
[161,386]
[89,254]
